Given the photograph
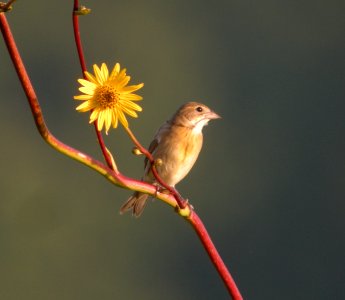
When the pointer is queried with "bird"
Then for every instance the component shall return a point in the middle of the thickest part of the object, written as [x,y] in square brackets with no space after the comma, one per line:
[177,145]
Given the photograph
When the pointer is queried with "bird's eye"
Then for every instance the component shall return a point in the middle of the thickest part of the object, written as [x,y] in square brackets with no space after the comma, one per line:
[199,109]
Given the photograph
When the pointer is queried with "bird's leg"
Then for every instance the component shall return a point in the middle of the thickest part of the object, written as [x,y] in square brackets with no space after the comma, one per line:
[177,193]
[159,189]
[183,207]
[172,191]
[181,202]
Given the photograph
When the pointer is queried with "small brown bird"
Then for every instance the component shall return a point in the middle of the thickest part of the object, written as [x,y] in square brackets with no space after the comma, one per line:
[177,143]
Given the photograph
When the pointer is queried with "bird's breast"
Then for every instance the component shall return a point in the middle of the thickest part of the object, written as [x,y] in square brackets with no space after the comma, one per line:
[178,150]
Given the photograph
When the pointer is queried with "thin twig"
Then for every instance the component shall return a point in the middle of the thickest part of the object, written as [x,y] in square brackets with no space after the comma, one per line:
[77,35]
[6,6]
[75,18]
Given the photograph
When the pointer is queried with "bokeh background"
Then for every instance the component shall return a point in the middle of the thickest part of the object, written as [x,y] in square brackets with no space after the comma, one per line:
[270,181]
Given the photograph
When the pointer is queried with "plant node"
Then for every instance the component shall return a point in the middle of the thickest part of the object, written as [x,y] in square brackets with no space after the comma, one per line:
[136,151]
[82,11]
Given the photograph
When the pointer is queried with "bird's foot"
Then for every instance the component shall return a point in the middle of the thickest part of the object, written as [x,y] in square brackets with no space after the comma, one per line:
[160,189]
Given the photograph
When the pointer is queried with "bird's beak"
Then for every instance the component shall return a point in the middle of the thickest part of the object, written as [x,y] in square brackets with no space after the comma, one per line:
[212,115]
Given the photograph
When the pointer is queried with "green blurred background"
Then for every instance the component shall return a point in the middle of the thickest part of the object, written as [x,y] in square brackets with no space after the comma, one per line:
[270,181]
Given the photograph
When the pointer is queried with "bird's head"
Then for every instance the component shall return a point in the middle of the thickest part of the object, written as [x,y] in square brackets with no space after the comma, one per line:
[194,115]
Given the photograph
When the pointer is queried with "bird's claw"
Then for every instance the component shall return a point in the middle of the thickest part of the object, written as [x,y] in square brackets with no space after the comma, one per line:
[160,189]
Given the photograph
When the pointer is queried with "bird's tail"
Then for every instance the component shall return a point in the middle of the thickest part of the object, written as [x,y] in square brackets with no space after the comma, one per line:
[136,202]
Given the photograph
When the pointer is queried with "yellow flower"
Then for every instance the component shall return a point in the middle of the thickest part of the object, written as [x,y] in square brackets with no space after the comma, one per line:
[108,96]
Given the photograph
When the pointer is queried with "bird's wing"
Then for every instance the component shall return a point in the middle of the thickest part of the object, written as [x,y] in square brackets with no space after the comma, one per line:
[152,148]
[161,132]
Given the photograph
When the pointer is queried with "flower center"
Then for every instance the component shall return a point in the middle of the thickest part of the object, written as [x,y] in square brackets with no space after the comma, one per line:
[106,96]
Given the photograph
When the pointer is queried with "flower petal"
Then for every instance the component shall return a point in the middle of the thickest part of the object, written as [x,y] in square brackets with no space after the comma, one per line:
[121,76]
[130,112]
[87,83]
[94,115]
[91,78]
[105,72]
[115,71]
[82,97]
[122,118]
[107,118]
[131,88]
[115,119]
[86,90]
[86,106]
[123,82]
[98,74]
[100,120]
[131,97]
[122,73]
[131,105]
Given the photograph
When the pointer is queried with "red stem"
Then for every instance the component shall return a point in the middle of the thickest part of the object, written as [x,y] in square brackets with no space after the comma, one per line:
[23,77]
[212,252]
[77,36]
[75,19]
